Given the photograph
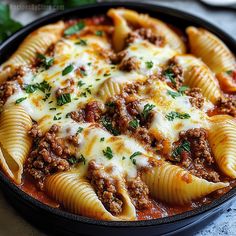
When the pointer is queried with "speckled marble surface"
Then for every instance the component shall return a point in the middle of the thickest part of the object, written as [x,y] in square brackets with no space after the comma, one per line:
[11,224]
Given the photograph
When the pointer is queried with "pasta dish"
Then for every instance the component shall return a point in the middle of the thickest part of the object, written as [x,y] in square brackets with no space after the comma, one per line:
[119,116]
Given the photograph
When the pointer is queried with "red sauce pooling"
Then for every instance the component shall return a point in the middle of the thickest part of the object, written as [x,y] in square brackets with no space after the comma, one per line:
[28,186]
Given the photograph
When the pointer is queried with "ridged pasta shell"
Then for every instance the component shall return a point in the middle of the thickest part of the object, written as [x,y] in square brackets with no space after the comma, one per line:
[159,27]
[121,30]
[77,195]
[110,88]
[222,139]
[174,185]
[37,42]
[201,77]
[14,141]
[211,49]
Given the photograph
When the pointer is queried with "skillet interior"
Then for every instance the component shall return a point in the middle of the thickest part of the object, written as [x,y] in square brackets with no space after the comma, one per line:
[175,17]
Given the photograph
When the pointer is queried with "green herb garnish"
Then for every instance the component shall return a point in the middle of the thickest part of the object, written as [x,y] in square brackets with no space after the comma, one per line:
[74,28]
[81,83]
[108,125]
[149,64]
[134,155]
[82,159]
[20,100]
[82,42]
[80,129]
[146,110]
[173,115]
[68,69]
[99,33]
[168,73]
[63,99]
[46,62]
[134,123]
[184,146]
[108,153]
[102,139]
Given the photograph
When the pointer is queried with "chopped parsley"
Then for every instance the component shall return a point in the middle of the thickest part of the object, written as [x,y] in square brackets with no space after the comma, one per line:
[123,158]
[173,115]
[20,100]
[82,159]
[102,139]
[180,92]
[81,83]
[53,109]
[63,99]
[47,95]
[68,69]
[106,74]
[74,28]
[80,129]
[89,63]
[134,123]
[108,153]
[82,42]
[46,62]
[134,155]
[182,89]
[149,64]
[67,115]
[184,146]
[168,73]
[43,86]
[229,72]
[99,33]
[73,160]
[110,104]
[108,125]
[173,94]
[30,88]
[56,117]
[146,110]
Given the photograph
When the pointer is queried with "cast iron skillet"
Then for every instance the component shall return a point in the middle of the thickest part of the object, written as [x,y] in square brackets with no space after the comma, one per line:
[59,222]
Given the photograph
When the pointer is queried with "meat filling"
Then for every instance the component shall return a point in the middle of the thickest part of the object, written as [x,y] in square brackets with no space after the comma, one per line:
[195,154]
[49,155]
[138,192]
[105,187]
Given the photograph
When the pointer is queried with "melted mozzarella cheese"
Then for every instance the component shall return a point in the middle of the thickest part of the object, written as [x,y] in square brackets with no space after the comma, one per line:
[149,56]
[43,108]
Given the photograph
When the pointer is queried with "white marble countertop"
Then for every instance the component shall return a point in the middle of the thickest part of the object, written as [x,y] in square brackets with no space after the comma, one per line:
[11,224]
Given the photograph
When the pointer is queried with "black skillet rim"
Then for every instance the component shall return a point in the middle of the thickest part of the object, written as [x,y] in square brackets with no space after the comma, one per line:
[161,221]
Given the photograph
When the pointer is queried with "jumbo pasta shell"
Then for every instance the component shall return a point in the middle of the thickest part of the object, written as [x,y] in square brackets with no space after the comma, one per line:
[222,139]
[172,184]
[14,141]
[37,42]
[210,49]
[77,195]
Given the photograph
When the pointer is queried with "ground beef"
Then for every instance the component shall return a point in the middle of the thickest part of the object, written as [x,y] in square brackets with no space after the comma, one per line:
[105,187]
[93,111]
[199,161]
[6,90]
[227,105]
[129,64]
[173,74]
[138,192]
[112,57]
[90,113]
[147,34]
[196,98]
[67,89]
[49,154]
